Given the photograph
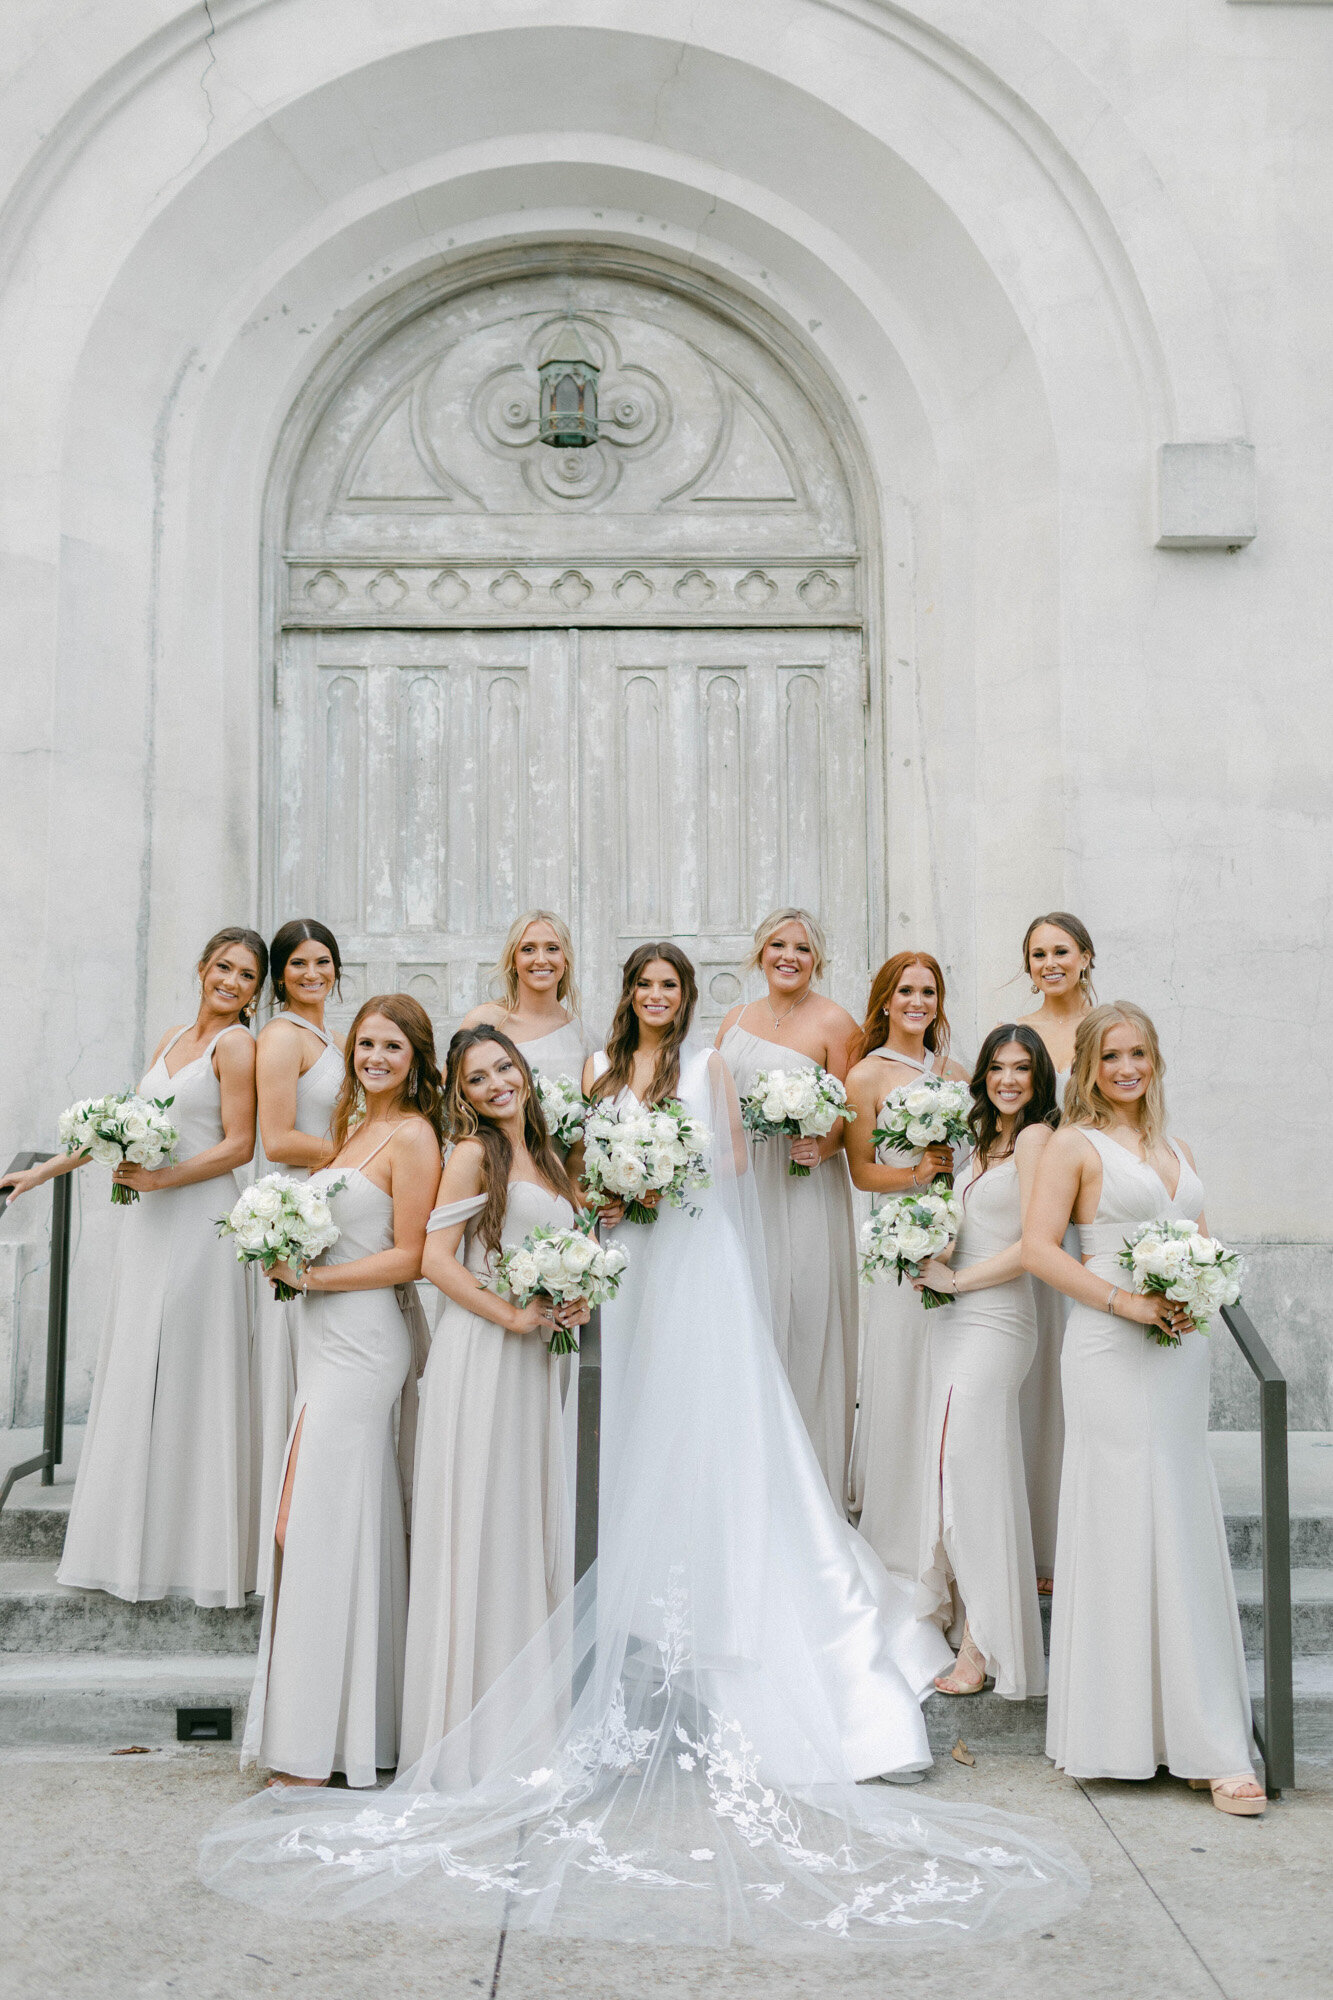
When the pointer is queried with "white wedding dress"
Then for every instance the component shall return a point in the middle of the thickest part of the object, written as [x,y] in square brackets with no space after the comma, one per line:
[680,1757]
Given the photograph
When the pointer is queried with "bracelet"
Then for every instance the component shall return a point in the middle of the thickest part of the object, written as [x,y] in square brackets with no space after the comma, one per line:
[1110,1303]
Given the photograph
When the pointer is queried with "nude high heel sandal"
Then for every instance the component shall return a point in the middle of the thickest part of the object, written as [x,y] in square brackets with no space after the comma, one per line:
[1227,1798]
[969,1662]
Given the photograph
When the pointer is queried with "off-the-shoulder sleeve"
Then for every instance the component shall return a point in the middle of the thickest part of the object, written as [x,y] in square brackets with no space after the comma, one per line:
[456,1211]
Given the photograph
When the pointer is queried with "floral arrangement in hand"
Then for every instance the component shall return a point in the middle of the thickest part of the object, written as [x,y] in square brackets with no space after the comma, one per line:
[907,1230]
[1171,1258]
[564,1108]
[642,1155]
[123,1126]
[796,1104]
[933,1111]
[282,1221]
[567,1266]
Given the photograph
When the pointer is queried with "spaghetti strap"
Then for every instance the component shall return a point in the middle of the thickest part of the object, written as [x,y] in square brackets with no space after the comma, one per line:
[172,1043]
[379,1149]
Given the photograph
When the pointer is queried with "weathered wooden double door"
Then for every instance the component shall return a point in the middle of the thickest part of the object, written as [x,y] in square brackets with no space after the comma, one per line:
[624,683]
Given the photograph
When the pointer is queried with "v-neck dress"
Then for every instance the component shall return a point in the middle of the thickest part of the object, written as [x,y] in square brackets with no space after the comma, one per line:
[810,1250]
[273,1354]
[1147,1662]
[162,1500]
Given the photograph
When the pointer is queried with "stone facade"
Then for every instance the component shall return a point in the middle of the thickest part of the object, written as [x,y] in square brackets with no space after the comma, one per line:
[967,415]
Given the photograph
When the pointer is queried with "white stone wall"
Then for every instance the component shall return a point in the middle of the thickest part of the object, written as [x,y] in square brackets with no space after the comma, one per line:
[1028,246]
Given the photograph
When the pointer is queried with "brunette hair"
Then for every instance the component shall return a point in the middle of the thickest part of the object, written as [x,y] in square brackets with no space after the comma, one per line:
[505,969]
[423,1091]
[1084,1103]
[1040,1109]
[238,934]
[1075,928]
[623,1037]
[301,930]
[777,920]
[466,1122]
[875,1028]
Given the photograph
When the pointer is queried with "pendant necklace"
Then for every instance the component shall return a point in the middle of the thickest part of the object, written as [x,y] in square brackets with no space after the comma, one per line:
[778,1019]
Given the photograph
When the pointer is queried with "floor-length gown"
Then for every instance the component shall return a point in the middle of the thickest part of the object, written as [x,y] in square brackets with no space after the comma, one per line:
[1040,1407]
[977,1543]
[492,1527]
[681,1763]
[810,1243]
[889,1447]
[273,1356]
[162,1500]
[1147,1661]
[328,1683]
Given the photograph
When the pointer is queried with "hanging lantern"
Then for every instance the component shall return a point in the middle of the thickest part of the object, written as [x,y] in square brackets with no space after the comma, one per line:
[568,374]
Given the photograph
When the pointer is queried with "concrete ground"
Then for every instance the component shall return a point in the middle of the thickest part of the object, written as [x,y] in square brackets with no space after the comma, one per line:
[99,1901]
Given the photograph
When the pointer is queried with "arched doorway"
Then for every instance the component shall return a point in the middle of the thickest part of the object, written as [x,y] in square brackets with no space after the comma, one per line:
[626,682]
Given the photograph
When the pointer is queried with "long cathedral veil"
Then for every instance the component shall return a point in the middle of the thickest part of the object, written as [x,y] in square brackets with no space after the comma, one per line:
[675,1758]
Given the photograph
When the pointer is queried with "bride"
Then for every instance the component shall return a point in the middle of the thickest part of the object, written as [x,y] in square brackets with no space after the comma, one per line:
[681,1754]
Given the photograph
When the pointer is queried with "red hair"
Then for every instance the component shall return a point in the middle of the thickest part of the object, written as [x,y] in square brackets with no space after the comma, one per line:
[875,1029]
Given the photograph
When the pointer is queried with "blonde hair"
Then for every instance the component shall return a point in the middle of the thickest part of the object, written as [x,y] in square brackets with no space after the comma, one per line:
[774,922]
[1084,1103]
[505,968]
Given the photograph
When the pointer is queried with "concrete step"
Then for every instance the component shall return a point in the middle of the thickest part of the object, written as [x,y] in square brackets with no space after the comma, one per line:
[1311,1611]
[112,1701]
[39,1615]
[1311,1541]
[34,1531]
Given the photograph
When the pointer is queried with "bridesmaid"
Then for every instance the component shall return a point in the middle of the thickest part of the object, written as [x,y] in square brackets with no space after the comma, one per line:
[809,1228]
[162,1500]
[1147,1664]
[1058,958]
[299,1072]
[540,1008]
[327,1691]
[493,1535]
[906,1035]
[977,1543]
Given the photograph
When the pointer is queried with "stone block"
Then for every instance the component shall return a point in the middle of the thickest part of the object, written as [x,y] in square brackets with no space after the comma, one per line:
[1206,495]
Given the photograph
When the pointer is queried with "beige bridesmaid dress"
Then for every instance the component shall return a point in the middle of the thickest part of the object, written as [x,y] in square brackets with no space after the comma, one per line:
[976,1550]
[273,1355]
[327,1688]
[810,1248]
[492,1523]
[162,1501]
[1040,1407]
[1147,1662]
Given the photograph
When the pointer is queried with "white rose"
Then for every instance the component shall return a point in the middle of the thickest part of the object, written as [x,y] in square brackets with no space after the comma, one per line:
[1203,1250]
[134,1125]
[773,1107]
[614,1261]
[265,1200]
[250,1235]
[918,1100]
[662,1126]
[913,1242]
[578,1254]
[105,1151]
[523,1273]
[922,1132]
[663,1162]
[140,1154]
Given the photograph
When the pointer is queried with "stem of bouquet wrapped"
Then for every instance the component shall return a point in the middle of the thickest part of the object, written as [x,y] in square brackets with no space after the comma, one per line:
[587,1478]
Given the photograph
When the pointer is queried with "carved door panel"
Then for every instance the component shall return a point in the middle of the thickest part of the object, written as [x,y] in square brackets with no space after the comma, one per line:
[423,800]
[430,785]
[722,774]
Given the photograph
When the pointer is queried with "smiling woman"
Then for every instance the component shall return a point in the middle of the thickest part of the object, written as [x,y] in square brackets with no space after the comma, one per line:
[162,1501]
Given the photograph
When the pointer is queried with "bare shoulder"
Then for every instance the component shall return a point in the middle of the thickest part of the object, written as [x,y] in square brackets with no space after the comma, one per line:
[415,1141]
[235,1054]
[463,1172]
[731,1017]
[170,1036]
[1032,1142]
[956,1072]
[281,1029]
[838,1025]
[864,1077]
[1072,1146]
[488,1015]
[1188,1151]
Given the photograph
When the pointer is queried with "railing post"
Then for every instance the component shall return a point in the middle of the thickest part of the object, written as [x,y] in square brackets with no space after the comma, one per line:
[1279,1718]
[588,1476]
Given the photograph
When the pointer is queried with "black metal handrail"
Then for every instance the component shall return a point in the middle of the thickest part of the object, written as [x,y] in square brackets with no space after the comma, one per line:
[1277,1742]
[587,1479]
[57,1330]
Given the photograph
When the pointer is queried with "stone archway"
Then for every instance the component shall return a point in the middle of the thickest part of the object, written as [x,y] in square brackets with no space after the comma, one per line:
[627,682]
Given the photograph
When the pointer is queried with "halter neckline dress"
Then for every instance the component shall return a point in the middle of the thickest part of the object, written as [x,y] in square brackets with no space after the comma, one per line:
[162,1501]
[810,1247]
[1147,1662]
[273,1356]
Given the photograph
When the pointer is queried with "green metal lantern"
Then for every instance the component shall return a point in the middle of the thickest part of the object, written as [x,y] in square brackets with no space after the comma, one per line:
[568,374]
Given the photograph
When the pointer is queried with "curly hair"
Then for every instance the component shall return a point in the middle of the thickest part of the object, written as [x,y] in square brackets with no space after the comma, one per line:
[466,1122]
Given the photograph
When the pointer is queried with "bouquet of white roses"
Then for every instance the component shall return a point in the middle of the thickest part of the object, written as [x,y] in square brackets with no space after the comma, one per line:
[565,1265]
[906,1230]
[1171,1258]
[282,1221]
[933,1111]
[123,1126]
[800,1103]
[641,1150]
[563,1106]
